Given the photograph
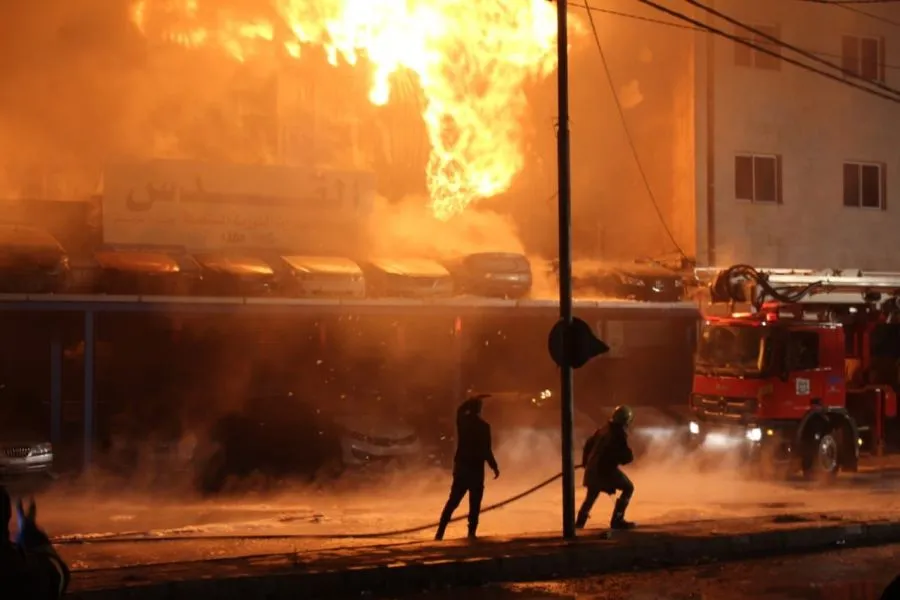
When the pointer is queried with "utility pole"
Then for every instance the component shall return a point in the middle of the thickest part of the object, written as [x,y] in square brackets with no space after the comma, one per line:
[565,272]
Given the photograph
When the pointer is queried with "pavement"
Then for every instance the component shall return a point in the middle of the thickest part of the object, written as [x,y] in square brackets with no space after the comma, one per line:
[406,567]
[850,574]
[283,537]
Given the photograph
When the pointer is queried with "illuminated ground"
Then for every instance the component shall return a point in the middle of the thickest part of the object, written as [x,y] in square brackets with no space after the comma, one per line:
[859,574]
[665,493]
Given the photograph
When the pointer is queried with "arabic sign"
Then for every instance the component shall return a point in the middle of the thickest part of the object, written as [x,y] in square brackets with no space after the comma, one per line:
[205,206]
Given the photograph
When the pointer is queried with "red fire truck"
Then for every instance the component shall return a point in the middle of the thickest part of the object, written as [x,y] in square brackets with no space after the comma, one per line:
[805,379]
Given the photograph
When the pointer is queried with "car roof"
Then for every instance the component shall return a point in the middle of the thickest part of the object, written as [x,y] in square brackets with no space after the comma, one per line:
[323,264]
[143,262]
[596,266]
[412,267]
[30,237]
[234,264]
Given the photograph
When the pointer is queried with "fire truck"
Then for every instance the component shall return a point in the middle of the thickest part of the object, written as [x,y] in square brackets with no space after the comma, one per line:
[798,369]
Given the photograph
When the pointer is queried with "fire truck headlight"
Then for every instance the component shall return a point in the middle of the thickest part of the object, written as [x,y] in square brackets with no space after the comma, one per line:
[694,428]
[754,434]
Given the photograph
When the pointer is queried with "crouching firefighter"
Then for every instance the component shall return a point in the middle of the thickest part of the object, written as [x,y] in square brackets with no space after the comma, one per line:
[473,450]
[604,453]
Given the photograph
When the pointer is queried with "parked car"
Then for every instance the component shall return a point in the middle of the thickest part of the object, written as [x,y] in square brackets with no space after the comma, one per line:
[414,277]
[376,436]
[25,449]
[31,261]
[492,274]
[228,274]
[142,273]
[278,435]
[25,455]
[284,435]
[626,281]
[327,276]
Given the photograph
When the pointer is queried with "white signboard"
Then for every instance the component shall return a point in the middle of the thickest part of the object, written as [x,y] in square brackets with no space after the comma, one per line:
[207,206]
[802,387]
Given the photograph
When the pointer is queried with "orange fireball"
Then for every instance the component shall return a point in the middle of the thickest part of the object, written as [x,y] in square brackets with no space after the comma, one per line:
[472,60]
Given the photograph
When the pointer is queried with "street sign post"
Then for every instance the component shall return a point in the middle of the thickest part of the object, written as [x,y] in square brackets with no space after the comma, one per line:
[565,271]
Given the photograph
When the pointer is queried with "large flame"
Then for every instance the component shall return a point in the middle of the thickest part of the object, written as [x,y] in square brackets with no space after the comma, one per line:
[472,60]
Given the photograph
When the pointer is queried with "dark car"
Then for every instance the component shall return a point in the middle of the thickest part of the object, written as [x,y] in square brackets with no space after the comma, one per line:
[228,274]
[143,273]
[31,261]
[492,274]
[626,281]
[278,435]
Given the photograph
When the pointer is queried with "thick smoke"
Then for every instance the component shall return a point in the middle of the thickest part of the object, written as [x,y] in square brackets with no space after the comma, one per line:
[409,228]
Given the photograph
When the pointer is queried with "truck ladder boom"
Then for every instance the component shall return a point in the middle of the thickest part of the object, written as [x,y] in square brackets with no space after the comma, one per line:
[805,282]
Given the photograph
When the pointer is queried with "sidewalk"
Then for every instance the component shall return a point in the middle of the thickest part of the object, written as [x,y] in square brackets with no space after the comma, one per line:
[414,566]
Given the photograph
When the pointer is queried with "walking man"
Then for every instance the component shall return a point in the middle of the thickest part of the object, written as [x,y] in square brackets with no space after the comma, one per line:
[604,453]
[473,450]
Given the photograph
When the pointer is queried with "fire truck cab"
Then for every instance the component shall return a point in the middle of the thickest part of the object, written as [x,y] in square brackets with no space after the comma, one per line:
[806,379]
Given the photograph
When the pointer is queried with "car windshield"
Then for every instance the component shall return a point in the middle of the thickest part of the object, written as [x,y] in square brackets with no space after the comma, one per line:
[738,349]
[499,263]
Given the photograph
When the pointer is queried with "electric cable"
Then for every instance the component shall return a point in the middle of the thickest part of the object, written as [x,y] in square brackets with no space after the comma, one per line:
[787,46]
[854,9]
[143,536]
[630,138]
[842,2]
[684,27]
[764,50]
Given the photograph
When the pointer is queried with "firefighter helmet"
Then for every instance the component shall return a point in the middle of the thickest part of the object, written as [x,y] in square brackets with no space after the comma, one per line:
[622,415]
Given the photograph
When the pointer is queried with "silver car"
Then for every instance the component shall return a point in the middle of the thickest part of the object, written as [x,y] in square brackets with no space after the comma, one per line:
[22,455]
[370,437]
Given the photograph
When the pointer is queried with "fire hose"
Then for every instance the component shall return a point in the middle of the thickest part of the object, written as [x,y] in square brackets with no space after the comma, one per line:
[145,536]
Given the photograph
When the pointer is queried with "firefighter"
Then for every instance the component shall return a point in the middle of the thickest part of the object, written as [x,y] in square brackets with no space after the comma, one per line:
[604,453]
[473,450]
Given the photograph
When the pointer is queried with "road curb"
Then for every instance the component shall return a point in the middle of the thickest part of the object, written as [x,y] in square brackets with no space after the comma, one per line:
[519,562]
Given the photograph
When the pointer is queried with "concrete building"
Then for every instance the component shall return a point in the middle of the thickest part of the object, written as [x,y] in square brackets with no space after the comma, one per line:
[793,169]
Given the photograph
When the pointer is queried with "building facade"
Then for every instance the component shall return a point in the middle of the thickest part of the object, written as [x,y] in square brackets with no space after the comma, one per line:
[793,169]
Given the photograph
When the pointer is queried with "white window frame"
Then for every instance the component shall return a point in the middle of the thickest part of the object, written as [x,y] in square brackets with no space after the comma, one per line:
[857,71]
[859,164]
[773,29]
[778,177]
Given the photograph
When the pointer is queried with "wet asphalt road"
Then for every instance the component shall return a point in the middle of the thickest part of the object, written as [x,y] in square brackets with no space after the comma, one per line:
[668,490]
[664,496]
[845,575]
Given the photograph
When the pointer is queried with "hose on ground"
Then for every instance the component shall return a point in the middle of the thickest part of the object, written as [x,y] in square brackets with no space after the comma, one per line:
[139,536]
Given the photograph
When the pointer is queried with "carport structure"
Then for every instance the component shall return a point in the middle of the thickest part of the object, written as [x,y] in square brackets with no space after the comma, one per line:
[86,310]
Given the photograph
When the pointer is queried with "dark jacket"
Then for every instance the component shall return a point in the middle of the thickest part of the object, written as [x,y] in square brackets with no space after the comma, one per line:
[473,445]
[604,453]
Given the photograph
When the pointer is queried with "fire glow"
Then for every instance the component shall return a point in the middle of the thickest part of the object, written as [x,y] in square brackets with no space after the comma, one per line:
[471,59]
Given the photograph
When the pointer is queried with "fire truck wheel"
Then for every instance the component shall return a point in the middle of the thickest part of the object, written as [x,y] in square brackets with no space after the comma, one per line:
[821,456]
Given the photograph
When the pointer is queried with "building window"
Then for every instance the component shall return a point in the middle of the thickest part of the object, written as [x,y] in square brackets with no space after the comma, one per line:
[757,178]
[745,56]
[863,57]
[864,185]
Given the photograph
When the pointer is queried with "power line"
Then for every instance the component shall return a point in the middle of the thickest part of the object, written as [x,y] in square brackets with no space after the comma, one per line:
[701,30]
[763,50]
[856,10]
[843,2]
[628,135]
[791,47]
[697,29]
